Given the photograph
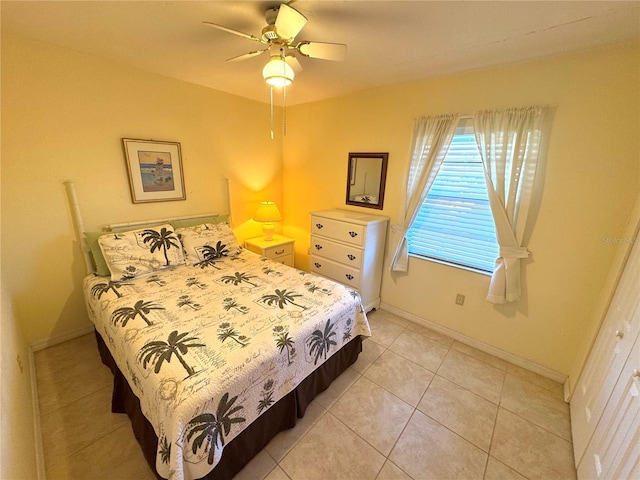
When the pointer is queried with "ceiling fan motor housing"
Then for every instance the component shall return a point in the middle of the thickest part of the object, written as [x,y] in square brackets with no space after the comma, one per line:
[269,33]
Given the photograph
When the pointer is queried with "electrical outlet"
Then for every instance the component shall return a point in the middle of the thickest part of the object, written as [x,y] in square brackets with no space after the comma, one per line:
[460,299]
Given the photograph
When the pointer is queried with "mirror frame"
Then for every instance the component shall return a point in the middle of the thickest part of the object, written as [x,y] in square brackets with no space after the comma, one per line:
[351,166]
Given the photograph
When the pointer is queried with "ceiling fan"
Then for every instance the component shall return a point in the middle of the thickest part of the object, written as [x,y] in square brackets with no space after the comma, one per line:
[278,38]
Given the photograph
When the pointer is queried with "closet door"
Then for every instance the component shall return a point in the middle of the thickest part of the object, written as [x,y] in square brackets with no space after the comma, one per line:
[614,450]
[608,356]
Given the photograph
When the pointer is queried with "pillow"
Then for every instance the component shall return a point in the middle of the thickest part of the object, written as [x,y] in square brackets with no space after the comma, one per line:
[208,243]
[193,222]
[98,259]
[139,252]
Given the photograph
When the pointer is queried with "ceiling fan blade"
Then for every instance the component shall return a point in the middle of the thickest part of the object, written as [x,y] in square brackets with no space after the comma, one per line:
[293,62]
[326,51]
[245,56]
[289,22]
[234,32]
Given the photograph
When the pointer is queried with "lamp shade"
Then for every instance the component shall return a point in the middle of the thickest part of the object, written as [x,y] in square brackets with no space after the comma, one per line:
[277,72]
[267,212]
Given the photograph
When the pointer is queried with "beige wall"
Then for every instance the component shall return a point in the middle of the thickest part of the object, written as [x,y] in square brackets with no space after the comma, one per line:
[63,117]
[18,459]
[591,180]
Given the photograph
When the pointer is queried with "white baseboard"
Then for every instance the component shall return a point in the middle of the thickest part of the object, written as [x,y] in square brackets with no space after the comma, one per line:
[472,342]
[567,390]
[37,426]
[56,339]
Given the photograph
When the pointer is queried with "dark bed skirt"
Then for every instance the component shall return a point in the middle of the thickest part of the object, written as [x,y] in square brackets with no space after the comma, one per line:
[237,453]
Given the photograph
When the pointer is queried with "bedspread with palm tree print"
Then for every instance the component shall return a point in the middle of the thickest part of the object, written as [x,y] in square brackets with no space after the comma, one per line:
[209,348]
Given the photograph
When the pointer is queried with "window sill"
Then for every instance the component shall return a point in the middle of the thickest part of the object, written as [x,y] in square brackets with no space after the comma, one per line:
[451,264]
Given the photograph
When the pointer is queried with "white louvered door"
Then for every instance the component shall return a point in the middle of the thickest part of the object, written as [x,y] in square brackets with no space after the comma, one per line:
[614,450]
[598,425]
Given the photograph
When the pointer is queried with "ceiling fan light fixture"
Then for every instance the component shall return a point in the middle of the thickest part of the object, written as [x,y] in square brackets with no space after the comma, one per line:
[277,72]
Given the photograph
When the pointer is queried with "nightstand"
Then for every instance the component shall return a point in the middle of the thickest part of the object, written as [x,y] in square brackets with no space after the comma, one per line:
[280,249]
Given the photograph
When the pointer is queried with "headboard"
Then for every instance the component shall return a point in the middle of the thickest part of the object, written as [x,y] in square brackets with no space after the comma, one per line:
[79,230]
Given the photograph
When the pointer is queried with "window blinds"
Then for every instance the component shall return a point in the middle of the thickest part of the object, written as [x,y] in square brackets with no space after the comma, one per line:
[454,224]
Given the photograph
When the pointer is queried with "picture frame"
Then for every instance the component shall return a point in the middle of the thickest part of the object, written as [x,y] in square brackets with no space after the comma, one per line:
[155,170]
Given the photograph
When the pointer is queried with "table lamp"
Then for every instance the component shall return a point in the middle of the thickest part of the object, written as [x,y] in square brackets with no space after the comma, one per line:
[267,213]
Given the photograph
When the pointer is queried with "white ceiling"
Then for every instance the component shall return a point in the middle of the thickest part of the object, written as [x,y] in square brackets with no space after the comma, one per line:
[388,42]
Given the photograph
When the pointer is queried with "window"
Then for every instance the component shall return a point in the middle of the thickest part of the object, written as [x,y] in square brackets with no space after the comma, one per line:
[454,224]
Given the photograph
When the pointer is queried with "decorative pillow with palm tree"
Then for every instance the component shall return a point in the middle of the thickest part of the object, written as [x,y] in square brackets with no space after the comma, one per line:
[206,244]
[139,252]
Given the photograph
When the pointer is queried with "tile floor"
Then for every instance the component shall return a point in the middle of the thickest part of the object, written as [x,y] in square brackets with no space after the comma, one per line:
[416,405]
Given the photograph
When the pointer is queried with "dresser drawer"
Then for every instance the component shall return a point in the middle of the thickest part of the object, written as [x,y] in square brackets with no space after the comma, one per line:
[346,254]
[278,251]
[336,271]
[342,231]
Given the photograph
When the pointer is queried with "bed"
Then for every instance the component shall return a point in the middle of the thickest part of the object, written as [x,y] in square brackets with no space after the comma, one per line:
[214,349]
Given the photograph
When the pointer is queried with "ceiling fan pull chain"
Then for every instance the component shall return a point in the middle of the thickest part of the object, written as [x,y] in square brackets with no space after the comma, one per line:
[284,111]
[271,112]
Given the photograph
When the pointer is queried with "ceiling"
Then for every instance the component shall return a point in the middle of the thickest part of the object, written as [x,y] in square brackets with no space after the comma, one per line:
[389,42]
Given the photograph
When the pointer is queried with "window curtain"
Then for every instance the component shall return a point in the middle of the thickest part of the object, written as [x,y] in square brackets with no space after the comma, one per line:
[431,139]
[509,144]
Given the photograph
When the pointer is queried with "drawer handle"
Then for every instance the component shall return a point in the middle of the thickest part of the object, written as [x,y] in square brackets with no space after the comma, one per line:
[349,276]
[353,234]
[619,334]
[319,226]
[280,252]
[318,247]
[351,257]
[318,265]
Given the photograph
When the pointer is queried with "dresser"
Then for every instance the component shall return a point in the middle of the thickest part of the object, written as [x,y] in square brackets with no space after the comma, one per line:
[348,247]
[280,249]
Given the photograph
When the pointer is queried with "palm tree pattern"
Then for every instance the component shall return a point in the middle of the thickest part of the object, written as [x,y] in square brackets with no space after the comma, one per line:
[320,341]
[226,331]
[346,335]
[281,298]
[100,289]
[284,341]
[210,429]
[141,308]
[165,450]
[230,303]
[194,282]
[156,279]
[270,271]
[237,278]
[157,352]
[313,288]
[130,273]
[212,253]
[185,301]
[164,239]
[267,396]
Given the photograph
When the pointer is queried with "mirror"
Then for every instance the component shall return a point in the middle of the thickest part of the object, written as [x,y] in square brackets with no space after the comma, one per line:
[366,178]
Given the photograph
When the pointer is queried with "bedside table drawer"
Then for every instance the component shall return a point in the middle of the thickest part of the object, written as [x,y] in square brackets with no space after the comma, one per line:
[278,251]
[285,260]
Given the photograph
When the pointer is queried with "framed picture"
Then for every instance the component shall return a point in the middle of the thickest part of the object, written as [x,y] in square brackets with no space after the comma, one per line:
[155,170]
